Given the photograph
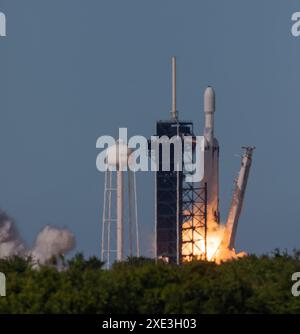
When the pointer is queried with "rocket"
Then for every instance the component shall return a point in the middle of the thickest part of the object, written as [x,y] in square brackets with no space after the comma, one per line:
[211,176]
[228,241]
[211,158]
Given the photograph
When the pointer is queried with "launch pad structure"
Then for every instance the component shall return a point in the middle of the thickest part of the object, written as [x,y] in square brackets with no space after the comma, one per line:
[176,200]
[194,208]
[187,215]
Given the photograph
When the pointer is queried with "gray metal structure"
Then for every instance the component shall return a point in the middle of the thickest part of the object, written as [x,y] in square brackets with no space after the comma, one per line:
[176,200]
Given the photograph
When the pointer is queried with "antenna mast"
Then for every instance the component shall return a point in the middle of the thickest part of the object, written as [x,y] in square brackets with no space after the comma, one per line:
[174,114]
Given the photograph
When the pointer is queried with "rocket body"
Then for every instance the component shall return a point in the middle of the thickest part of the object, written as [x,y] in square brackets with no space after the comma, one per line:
[211,159]
[237,200]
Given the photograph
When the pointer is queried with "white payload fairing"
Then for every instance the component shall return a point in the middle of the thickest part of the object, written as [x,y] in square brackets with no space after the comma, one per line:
[211,158]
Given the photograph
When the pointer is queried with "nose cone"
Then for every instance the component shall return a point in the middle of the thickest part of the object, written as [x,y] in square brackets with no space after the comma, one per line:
[209,100]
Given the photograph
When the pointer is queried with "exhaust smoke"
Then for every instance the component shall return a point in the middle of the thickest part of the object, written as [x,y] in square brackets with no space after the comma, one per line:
[10,242]
[50,242]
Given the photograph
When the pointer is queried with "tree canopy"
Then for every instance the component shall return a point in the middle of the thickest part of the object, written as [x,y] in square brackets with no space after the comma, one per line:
[249,285]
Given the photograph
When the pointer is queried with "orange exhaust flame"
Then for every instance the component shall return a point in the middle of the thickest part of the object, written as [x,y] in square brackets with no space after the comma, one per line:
[193,243]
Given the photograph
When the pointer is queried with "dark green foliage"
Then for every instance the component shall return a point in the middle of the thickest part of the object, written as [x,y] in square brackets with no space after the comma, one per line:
[139,285]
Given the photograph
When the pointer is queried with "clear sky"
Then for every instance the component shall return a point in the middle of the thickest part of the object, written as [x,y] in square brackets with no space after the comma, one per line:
[73,70]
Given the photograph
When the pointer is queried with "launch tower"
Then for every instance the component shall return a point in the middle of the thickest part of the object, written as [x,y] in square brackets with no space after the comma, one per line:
[175,200]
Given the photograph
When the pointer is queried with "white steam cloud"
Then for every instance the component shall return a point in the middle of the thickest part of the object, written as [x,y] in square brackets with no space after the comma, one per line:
[50,242]
[10,243]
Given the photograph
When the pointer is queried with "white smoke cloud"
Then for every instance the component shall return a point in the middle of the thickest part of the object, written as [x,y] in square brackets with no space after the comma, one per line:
[10,242]
[50,242]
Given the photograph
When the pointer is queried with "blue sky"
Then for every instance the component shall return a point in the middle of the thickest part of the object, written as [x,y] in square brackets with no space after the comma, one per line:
[74,70]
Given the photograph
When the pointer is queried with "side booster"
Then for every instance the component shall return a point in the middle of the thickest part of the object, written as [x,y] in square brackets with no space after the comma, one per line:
[237,199]
[211,158]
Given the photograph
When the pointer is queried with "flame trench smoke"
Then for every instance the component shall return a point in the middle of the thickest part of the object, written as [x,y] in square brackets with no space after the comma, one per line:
[50,242]
[10,243]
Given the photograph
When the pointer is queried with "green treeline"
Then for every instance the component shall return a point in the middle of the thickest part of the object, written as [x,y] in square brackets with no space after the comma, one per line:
[249,285]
